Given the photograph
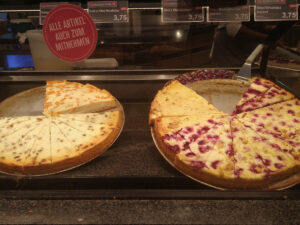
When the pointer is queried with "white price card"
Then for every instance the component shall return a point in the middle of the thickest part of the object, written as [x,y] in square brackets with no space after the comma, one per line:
[229,14]
[45,8]
[275,10]
[182,11]
[109,11]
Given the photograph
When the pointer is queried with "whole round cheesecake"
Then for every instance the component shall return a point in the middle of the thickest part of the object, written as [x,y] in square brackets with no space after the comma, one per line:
[79,123]
[226,133]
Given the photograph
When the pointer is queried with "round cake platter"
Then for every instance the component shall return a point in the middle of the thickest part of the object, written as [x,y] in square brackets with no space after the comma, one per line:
[224,95]
[31,103]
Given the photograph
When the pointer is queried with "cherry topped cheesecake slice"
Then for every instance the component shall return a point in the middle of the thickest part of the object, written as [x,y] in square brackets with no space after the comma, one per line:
[204,150]
[258,160]
[272,96]
[279,122]
[281,118]
[257,86]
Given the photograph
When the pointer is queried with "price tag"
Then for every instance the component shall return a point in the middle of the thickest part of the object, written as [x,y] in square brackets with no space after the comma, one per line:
[275,10]
[45,8]
[109,11]
[70,33]
[174,11]
[229,13]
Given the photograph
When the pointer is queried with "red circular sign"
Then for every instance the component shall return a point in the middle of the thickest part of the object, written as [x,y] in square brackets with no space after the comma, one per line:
[70,33]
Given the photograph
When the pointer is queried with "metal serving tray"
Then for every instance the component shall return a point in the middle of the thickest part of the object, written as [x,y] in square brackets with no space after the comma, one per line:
[132,168]
[31,103]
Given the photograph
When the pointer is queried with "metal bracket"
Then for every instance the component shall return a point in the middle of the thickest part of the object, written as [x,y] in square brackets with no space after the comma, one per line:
[245,71]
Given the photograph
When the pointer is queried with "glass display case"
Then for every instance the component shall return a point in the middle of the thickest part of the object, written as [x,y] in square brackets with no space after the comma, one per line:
[136,54]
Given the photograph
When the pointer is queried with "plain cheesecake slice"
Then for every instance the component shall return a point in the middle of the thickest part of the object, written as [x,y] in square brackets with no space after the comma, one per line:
[39,159]
[82,140]
[16,147]
[176,99]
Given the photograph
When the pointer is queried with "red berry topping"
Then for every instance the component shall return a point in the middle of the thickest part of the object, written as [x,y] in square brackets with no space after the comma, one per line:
[174,148]
[194,137]
[190,129]
[202,142]
[198,165]
[186,146]
[278,165]
[203,149]
[190,154]
[254,168]
[211,121]
[230,152]
[238,172]
[215,164]
[283,123]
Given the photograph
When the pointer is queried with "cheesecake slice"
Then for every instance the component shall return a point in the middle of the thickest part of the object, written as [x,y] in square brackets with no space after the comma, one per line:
[260,161]
[16,147]
[177,100]
[71,97]
[257,86]
[272,96]
[203,150]
[75,140]
[40,158]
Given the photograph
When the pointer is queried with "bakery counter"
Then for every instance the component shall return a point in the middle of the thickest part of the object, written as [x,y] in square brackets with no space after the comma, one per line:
[131,182]
[131,163]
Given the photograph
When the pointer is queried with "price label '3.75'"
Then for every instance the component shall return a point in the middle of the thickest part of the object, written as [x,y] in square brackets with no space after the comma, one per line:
[275,10]
[109,11]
